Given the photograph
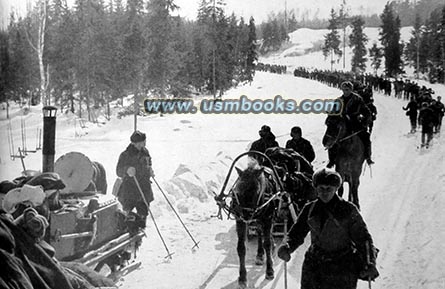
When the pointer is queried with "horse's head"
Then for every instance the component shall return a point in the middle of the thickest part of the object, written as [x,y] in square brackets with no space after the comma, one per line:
[250,188]
[335,130]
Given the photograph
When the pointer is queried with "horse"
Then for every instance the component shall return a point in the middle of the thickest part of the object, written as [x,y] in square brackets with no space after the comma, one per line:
[350,154]
[99,180]
[252,201]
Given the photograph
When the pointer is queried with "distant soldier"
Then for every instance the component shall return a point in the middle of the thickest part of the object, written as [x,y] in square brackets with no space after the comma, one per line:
[135,165]
[341,249]
[411,109]
[439,110]
[300,144]
[426,120]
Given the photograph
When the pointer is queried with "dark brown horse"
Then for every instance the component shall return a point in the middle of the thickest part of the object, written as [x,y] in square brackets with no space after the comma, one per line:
[350,154]
[252,201]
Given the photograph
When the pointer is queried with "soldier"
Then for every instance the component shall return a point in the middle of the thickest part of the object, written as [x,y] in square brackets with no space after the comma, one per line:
[341,248]
[426,120]
[300,144]
[358,117]
[267,140]
[439,109]
[411,108]
[135,165]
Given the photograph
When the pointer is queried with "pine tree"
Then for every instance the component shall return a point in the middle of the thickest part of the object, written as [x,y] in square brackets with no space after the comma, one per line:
[24,69]
[390,39]
[252,55]
[216,65]
[332,39]
[442,44]
[160,64]
[412,49]
[60,53]
[343,21]
[358,40]
[376,55]
[4,65]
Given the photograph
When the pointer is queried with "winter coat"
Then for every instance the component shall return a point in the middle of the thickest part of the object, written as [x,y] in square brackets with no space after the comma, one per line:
[427,119]
[411,108]
[25,263]
[141,161]
[303,147]
[353,107]
[337,229]
[261,145]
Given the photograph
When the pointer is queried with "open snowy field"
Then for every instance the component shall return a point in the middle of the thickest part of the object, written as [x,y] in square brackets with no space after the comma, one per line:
[402,198]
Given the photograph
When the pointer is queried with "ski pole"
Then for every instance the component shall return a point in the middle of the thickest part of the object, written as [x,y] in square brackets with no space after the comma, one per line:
[177,215]
[169,255]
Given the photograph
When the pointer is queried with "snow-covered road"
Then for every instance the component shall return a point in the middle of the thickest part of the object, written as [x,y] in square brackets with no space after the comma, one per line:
[402,202]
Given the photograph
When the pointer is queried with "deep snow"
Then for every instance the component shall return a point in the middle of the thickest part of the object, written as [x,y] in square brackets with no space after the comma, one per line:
[402,198]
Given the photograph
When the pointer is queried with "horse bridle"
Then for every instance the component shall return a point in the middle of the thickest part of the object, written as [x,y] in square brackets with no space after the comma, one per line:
[251,212]
[220,199]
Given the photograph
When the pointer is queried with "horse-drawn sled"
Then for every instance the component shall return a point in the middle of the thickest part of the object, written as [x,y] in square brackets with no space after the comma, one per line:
[86,225]
[64,213]
[264,197]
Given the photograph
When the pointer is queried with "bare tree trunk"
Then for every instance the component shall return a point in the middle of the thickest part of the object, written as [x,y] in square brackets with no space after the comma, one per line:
[80,105]
[88,97]
[136,105]
[72,100]
[40,47]
[108,109]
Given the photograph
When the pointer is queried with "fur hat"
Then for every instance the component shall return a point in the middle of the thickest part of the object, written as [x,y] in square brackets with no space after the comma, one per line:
[347,84]
[265,128]
[137,136]
[295,129]
[326,176]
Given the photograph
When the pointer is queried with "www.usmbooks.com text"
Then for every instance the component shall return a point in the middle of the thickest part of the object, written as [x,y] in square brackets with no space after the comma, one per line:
[244,105]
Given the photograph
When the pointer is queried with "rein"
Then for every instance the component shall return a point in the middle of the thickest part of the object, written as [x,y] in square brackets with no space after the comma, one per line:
[342,139]
[220,199]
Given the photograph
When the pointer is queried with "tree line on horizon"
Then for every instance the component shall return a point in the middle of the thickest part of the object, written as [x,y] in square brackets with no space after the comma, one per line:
[425,51]
[97,51]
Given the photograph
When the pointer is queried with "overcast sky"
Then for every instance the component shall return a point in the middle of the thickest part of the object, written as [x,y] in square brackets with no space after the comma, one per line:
[259,9]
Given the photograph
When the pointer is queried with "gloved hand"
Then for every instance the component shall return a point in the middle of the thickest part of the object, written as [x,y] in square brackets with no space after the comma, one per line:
[284,253]
[131,171]
[369,273]
[152,173]
[33,223]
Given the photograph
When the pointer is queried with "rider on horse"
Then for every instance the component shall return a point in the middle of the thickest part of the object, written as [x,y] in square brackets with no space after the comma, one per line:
[357,117]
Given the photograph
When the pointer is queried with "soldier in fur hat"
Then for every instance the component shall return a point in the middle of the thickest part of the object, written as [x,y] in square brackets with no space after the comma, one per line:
[135,163]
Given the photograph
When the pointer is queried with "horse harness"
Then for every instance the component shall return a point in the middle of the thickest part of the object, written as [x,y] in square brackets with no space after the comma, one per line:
[265,198]
[235,209]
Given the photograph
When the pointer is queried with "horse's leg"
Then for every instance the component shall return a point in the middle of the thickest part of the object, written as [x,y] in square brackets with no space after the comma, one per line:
[241,230]
[260,249]
[353,189]
[267,233]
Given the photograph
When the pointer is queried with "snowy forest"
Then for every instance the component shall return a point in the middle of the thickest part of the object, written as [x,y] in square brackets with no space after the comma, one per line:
[98,51]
